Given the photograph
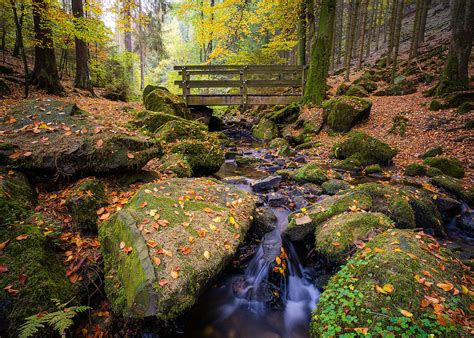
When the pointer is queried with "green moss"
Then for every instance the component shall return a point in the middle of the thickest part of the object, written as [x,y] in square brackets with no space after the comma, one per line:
[453,186]
[465,108]
[373,169]
[310,172]
[46,278]
[342,113]
[436,105]
[287,114]
[335,238]
[369,86]
[353,163]
[432,152]
[415,169]
[17,198]
[449,166]
[85,198]
[356,90]
[151,121]
[370,149]
[399,258]
[248,161]
[307,145]
[265,130]
[181,129]
[204,157]
[404,87]
[161,100]
[302,224]
[334,186]
[342,89]
[278,143]
[469,125]
[175,163]
[432,172]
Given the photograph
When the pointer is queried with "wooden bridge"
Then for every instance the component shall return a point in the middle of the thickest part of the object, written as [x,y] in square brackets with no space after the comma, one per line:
[244,85]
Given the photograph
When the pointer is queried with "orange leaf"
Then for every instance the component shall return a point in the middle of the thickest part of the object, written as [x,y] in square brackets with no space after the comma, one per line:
[336,243]
[130,155]
[362,330]
[99,143]
[157,260]
[447,286]
[380,290]
[22,237]
[163,282]
[406,313]
[105,216]
[388,288]
[379,250]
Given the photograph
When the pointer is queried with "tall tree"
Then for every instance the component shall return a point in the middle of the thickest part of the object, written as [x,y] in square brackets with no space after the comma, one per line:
[315,90]
[350,34]
[45,73]
[19,36]
[83,76]
[455,72]
[302,35]
[398,29]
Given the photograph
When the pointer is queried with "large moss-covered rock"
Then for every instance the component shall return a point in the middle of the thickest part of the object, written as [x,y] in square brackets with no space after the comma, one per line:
[162,100]
[334,186]
[454,186]
[402,284]
[265,130]
[353,163]
[175,163]
[159,258]
[432,152]
[371,150]
[356,90]
[415,169]
[303,223]
[401,88]
[57,138]
[342,113]
[34,272]
[84,199]
[337,237]
[278,143]
[449,166]
[151,121]
[311,173]
[285,115]
[17,198]
[204,157]
[181,129]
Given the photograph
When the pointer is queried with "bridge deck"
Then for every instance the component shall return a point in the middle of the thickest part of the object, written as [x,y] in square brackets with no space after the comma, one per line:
[242,78]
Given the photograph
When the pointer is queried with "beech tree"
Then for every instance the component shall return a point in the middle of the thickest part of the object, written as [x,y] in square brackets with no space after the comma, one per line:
[45,73]
[83,77]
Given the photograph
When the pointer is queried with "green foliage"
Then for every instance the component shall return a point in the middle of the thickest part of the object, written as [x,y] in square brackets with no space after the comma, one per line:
[399,124]
[60,320]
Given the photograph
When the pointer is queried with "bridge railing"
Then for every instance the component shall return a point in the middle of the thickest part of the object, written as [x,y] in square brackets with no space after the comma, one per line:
[247,84]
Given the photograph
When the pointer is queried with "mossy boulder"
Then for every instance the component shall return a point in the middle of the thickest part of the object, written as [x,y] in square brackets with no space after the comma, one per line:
[159,258]
[303,223]
[311,173]
[371,150]
[342,113]
[57,138]
[373,169]
[369,86]
[34,272]
[17,198]
[334,186]
[415,169]
[432,152]
[356,90]
[204,157]
[151,121]
[363,149]
[342,89]
[265,130]
[247,161]
[400,284]
[162,100]
[181,129]
[465,108]
[432,172]
[455,187]
[285,115]
[353,163]
[278,143]
[84,199]
[401,88]
[449,166]
[176,164]
[338,236]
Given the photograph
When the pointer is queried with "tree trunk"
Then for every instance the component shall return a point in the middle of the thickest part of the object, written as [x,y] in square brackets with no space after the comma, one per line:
[339,26]
[391,34]
[350,35]
[83,76]
[378,21]
[372,27]
[302,35]
[128,34]
[141,46]
[315,90]
[424,16]
[311,27]
[22,49]
[45,73]
[455,72]
[17,47]
[398,28]
[362,31]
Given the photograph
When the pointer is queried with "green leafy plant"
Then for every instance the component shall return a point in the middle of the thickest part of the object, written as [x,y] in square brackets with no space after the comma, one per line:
[60,320]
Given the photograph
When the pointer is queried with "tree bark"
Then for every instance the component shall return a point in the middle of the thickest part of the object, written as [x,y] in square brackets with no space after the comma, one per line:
[17,47]
[45,73]
[302,35]
[315,90]
[398,28]
[455,73]
[424,16]
[391,34]
[141,46]
[350,36]
[362,30]
[311,27]
[22,49]
[83,76]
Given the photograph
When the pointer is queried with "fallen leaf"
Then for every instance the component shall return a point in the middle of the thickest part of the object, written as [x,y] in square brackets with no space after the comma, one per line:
[3,268]
[22,237]
[151,243]
[130,155]
[105,216]
[406,313]
[388,288]
[163,282]
[9,289]
[447,286]
[4,245]
[207,254]
[100,211]
[174,274]
[362,330]
[157,260]
[378,289]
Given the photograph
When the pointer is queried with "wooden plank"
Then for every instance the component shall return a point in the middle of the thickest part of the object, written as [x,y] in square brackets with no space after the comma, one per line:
[238,84]
[249,71]
[235,100]
[233,67]
[273,83]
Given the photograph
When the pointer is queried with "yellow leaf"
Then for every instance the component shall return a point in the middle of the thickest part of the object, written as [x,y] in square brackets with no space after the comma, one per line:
[388,288]
[406,313]
[278,260]
[378,289]
[174,274]
[379,250]
[207,254]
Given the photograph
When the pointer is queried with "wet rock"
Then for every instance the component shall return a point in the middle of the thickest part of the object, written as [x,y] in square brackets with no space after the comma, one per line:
[84,199]
[141,176]
[17,198]
[57,138]
[312,189]
[334,186]
[300,159]
[149,272]
[401,275]
[160,99]
[371,150]
[264,220]
[247,161]
[266,184]
[300,202]
[311,173]
[449,166]
[276,200]
[455,187]
[466,221]
[265,130]
[447,204]
[336,238]
[342,113]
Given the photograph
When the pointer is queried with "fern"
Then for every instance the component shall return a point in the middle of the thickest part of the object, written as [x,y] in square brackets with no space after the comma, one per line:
[60,320]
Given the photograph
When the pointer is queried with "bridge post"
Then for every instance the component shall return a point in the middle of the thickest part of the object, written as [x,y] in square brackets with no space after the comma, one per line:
[245,88]
[186,89]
